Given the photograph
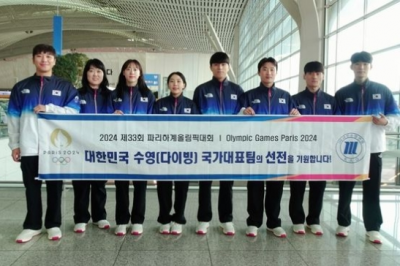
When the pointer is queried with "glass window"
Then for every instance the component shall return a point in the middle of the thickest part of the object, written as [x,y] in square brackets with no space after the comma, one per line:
[4,99]
[332,19]
[376,35]
[375,4]
[349,41]
[344,75]
[284,67]
[278,34]
[386,69]
[294,64]
[278,13]
[286,47]
[272,5]
[283,84]
[294,25]
[286,26]
[349,11]
[330,80]
[270,39]
[295,42]
[266,9]
[294,85]
[264,39]
[331,50]
[271,21]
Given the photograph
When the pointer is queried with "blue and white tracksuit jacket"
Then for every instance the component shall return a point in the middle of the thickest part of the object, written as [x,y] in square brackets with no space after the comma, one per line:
[371,98]
[58,96]
[217,98]
[172,105]
[271,101]
[94,102]
[132,102]
[318,103]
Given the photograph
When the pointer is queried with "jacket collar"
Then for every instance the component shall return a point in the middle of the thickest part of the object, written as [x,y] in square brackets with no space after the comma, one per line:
[273,88]
[216,81]
[366,84]
[172,98]
[47,78]
[310,94]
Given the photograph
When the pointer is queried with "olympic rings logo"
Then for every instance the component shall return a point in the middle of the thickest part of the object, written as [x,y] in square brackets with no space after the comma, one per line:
[61,160]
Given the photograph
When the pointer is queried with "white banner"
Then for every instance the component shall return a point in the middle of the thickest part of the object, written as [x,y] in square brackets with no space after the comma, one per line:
[199,147]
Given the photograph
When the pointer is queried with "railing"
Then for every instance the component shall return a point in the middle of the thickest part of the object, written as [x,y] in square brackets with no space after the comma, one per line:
[393,153]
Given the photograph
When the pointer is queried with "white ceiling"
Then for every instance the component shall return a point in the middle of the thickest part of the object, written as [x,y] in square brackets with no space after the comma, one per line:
[141,25]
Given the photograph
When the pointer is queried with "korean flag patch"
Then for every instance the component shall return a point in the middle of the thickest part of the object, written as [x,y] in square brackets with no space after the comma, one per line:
[187,110]
[56,93]
[233,97]
[376,96]
[282,100]
[327,106]
[144,99]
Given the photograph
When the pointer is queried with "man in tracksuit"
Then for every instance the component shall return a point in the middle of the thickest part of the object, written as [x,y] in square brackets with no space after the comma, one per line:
[311,101]
[266,99]
[365,97]
[46,93]
[218,96]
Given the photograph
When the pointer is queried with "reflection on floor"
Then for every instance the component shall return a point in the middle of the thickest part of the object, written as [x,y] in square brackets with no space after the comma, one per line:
[99,247]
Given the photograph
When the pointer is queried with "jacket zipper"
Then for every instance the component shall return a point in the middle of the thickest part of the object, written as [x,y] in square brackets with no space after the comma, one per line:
[220,98]
[95,101]
[41,89]
[130,100]
[269,100]
[175,105]
[314,102]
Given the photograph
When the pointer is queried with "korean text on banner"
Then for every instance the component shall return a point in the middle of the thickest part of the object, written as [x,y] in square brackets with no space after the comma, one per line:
[196,147]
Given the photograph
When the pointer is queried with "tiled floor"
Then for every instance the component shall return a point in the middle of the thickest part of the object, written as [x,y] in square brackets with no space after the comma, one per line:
[98,247]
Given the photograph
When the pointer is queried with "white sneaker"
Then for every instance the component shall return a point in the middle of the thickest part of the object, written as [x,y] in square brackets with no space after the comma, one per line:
[316,229]
[299,229]
[251,231]
[165,229]
[202,228]
[278,231]
[54,233]
[26,235]
[137,229]
[375,237]
[120,230]
[102,224]
[228,228]
[176,229]
[342,231]
[80,228]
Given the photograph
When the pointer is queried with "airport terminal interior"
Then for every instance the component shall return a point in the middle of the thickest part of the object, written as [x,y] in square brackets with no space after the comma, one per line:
[181,35]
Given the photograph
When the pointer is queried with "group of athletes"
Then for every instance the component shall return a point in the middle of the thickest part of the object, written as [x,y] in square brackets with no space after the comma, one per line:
[44,92]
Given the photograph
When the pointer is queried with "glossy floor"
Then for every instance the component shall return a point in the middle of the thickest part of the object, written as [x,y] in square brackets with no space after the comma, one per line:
[102,247]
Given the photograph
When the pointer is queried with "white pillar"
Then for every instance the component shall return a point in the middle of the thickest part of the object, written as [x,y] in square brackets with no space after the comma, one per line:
[309,16]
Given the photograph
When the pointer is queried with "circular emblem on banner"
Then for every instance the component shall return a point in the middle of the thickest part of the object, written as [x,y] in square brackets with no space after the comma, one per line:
[351,148]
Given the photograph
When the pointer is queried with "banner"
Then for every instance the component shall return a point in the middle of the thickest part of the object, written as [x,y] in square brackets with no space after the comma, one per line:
[199,147]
